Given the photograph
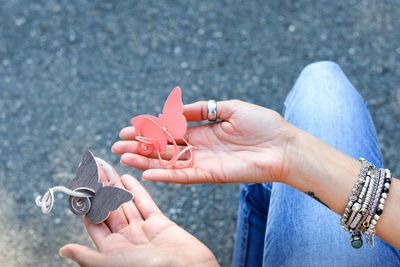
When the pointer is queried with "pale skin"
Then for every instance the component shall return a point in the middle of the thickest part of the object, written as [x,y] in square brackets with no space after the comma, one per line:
[138,234]
[254,144]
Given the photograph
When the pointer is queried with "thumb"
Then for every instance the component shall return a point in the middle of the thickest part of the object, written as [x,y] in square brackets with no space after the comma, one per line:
[82,255]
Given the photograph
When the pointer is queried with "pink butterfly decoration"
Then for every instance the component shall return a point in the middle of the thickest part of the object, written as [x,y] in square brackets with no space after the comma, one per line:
[155,133]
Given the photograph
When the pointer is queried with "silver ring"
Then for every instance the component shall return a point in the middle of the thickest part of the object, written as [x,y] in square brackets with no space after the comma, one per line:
[212,110]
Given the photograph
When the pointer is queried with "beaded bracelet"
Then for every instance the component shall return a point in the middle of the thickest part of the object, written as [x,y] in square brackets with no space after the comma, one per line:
[366,203]
[356,236]
[355,214]
[372,208]
[362,208]
[368,199]
[356,190]
[370,233]
[382,176]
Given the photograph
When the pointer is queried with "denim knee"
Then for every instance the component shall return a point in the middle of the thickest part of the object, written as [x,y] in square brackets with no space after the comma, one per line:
[324,103]
[318,67]
[322,87]
[324,78]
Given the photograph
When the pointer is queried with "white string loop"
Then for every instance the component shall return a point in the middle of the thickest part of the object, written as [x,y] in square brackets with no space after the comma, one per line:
[46,201]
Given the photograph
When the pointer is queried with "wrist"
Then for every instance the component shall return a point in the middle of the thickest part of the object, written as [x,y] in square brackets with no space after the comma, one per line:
[318,168]
[299,156]
[292,154]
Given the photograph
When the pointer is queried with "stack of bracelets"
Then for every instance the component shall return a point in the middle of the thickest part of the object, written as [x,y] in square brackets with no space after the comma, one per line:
[366,203]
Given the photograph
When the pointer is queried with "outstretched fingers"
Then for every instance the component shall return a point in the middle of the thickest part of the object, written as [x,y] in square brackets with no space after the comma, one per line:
[97,232]
[132,213]
[143,163]
[117,219]
[181,176]
[122,147]
[143,201]
[127,133]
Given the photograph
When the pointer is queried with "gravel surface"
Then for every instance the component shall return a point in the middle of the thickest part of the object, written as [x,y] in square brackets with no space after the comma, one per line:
[73,72]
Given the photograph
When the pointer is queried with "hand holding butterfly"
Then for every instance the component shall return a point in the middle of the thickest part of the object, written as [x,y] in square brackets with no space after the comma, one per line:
[138,234]
[249,144]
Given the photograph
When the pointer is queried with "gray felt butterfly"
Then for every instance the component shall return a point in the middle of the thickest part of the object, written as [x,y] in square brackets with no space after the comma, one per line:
[102,199]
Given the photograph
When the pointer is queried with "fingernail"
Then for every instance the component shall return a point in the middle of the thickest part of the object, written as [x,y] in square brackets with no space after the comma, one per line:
[124,178]
[146,174]
[63,253]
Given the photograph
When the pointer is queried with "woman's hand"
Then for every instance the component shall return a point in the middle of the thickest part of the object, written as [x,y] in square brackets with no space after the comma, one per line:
[249,144]
[138,234]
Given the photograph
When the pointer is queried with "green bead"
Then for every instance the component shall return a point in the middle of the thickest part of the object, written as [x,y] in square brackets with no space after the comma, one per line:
[356,242]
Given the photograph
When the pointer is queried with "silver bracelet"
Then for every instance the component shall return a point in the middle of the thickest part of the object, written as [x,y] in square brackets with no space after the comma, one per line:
[373,206]
[368,199]
[356,190]
[366,203]
[355,214]
[382,176]
[370,233]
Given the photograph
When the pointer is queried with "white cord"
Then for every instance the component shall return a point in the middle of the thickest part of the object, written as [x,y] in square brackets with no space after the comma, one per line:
[47,201]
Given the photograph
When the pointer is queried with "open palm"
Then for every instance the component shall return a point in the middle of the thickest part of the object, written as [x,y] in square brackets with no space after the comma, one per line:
[247,145]
[138,234]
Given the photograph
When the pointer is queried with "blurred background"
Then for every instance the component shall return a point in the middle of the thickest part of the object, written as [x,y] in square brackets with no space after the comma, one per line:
[72,73]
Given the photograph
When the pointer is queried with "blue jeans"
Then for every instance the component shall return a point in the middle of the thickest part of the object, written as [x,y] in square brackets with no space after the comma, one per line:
[281,226]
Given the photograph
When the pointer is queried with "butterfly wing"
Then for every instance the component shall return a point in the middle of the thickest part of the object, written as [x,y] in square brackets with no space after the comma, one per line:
[149,127]
[105,200]
[172,115]
[87,174]
[174,103]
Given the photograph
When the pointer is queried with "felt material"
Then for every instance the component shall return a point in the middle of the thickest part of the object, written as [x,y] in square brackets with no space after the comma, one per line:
[172,120]
[156,132]
[105,199]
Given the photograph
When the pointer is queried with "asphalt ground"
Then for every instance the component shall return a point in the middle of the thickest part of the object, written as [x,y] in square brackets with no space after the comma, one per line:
[72,73]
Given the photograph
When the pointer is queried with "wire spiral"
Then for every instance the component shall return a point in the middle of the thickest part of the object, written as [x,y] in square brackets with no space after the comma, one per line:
[46,201]
[79,199]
